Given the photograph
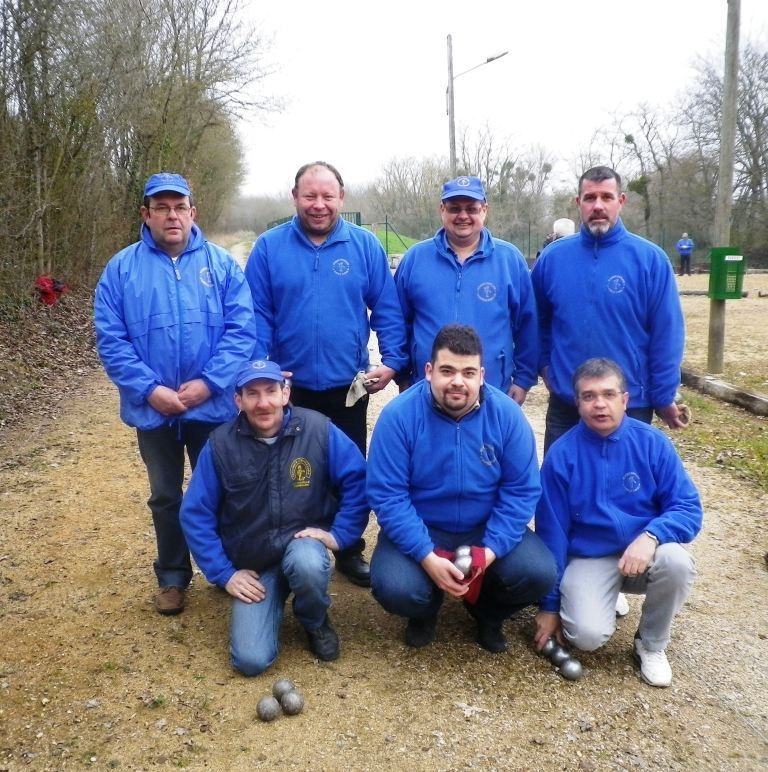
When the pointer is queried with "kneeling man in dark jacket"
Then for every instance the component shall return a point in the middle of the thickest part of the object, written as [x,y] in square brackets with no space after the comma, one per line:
[273,491]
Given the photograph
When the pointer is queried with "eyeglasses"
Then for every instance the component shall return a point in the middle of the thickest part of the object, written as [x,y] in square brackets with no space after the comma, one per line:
[472,209]
[164,210]
[608,395]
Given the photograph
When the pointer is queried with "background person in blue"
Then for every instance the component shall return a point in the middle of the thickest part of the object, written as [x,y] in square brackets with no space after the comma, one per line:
[616,505]
[313,280]
[273,490]
[453,462]
[685,247]
[605,292]
[174,324]
[465,275]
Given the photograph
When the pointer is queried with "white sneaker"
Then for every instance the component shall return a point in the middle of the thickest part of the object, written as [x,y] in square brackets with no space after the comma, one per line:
[622,605]
[654,665]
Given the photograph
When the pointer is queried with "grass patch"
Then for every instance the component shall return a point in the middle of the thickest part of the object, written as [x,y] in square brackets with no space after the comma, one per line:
[725,436]
[397,243]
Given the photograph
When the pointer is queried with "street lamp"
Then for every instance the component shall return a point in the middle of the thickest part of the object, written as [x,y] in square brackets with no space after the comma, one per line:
[449,98]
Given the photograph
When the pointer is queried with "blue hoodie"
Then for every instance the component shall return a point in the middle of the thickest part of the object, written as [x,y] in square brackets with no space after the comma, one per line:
[311,303]
[615,297]
[162,324]
[601,493]
[426,469]
[491,291]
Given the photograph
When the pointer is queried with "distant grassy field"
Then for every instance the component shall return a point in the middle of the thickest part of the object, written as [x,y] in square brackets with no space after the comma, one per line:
[393,243]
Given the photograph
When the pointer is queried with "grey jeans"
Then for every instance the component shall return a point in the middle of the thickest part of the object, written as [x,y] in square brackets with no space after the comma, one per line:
[590,586]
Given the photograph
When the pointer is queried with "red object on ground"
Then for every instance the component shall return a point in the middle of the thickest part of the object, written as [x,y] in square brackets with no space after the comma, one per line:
[49,290]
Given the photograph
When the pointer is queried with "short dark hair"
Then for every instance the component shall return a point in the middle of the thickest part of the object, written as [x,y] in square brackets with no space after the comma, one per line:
[599,174]
[598,367]
[459,339]
[304,169]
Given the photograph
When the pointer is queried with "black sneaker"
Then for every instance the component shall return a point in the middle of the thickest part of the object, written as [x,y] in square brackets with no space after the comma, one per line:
[420,632]
[323,642]
[491,637]
[354,567]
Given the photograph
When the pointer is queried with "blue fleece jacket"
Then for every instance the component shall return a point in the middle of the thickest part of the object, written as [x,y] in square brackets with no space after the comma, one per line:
[614,296]
[203,501]
[491,291]
[599,494]
[311,303]
[160,323]
[426,469]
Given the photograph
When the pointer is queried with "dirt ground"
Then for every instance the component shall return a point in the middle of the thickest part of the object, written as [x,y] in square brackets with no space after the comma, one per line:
[91,676]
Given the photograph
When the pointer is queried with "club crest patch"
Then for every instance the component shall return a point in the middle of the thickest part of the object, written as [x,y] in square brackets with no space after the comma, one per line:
[487,454]
[631,482]
[206,277]
[301,472]
[341,266]
[616,284]
[486,291]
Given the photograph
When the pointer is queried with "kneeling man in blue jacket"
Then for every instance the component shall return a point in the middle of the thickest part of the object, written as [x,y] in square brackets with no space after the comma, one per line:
[273,491]
[615,509]
[453,463]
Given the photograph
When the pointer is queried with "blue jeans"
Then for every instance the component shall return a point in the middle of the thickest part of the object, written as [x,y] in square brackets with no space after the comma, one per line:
[255,627]
[512,582]
[162,451]
[562,416]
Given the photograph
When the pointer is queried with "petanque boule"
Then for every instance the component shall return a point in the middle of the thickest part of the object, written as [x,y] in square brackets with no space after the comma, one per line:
[464,549]
[546,649]
[268,708]
[292,703]
[558,655]
[463,563]
[571,669]
[281,686]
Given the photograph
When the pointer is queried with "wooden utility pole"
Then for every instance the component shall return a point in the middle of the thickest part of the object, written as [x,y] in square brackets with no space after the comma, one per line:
[721,230]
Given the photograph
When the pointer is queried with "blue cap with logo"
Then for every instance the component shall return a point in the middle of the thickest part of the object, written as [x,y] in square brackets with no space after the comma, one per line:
[257,370]
[165,182]
[464,187]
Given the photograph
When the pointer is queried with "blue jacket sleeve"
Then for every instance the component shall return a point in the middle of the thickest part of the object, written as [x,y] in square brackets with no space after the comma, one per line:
[199,521]
[386,314]
[123,365]
[519,489]
[258,278]
[389,463]
[237,343]
[347,471]
[401,285]
[526,332]
[544,312]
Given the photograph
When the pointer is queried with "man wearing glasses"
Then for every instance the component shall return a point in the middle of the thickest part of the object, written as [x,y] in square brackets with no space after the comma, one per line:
[465,275]
[174,324]
[616,508]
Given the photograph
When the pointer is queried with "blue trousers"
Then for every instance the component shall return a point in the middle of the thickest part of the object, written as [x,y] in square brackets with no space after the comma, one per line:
[162,451]
[255,627]
[512,582]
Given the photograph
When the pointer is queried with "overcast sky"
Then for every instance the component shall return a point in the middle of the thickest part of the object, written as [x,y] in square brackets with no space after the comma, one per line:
[365,82]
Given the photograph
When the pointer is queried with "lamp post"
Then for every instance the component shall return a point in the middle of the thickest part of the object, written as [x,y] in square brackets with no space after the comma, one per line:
[449,99]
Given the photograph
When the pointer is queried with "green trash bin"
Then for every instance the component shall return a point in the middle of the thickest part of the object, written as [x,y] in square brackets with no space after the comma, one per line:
[726,273]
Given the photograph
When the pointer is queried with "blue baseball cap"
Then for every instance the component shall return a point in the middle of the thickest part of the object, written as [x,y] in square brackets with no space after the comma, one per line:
[165,182]
[259,369]
[464,187]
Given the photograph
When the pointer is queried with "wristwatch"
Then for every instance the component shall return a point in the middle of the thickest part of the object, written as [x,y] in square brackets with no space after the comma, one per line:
[653,536]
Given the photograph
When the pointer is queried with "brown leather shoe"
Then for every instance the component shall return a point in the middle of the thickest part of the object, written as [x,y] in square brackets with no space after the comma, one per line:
[170,600]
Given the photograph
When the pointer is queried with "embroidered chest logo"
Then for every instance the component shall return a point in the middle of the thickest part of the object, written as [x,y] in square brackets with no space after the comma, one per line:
[341,266]
[486,291]
[301,472]
[631,482]
[487,454]
[616,284]
[206,277]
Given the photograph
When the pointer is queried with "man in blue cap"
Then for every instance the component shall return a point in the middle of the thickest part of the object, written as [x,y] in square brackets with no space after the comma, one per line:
[463,274]
[273,491]
[174,324]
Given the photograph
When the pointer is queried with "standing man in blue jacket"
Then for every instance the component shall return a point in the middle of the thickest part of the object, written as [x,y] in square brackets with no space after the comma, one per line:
[685,248]
[606,292]
[463,275]
[616,506]
[274,490]
[453,463]
[314,280]
[174,324]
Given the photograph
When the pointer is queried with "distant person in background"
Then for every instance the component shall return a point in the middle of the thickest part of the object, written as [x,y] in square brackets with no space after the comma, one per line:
[174,325]
[564,226]
[685,248]
[314,280]
[463,274]
[607,292]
